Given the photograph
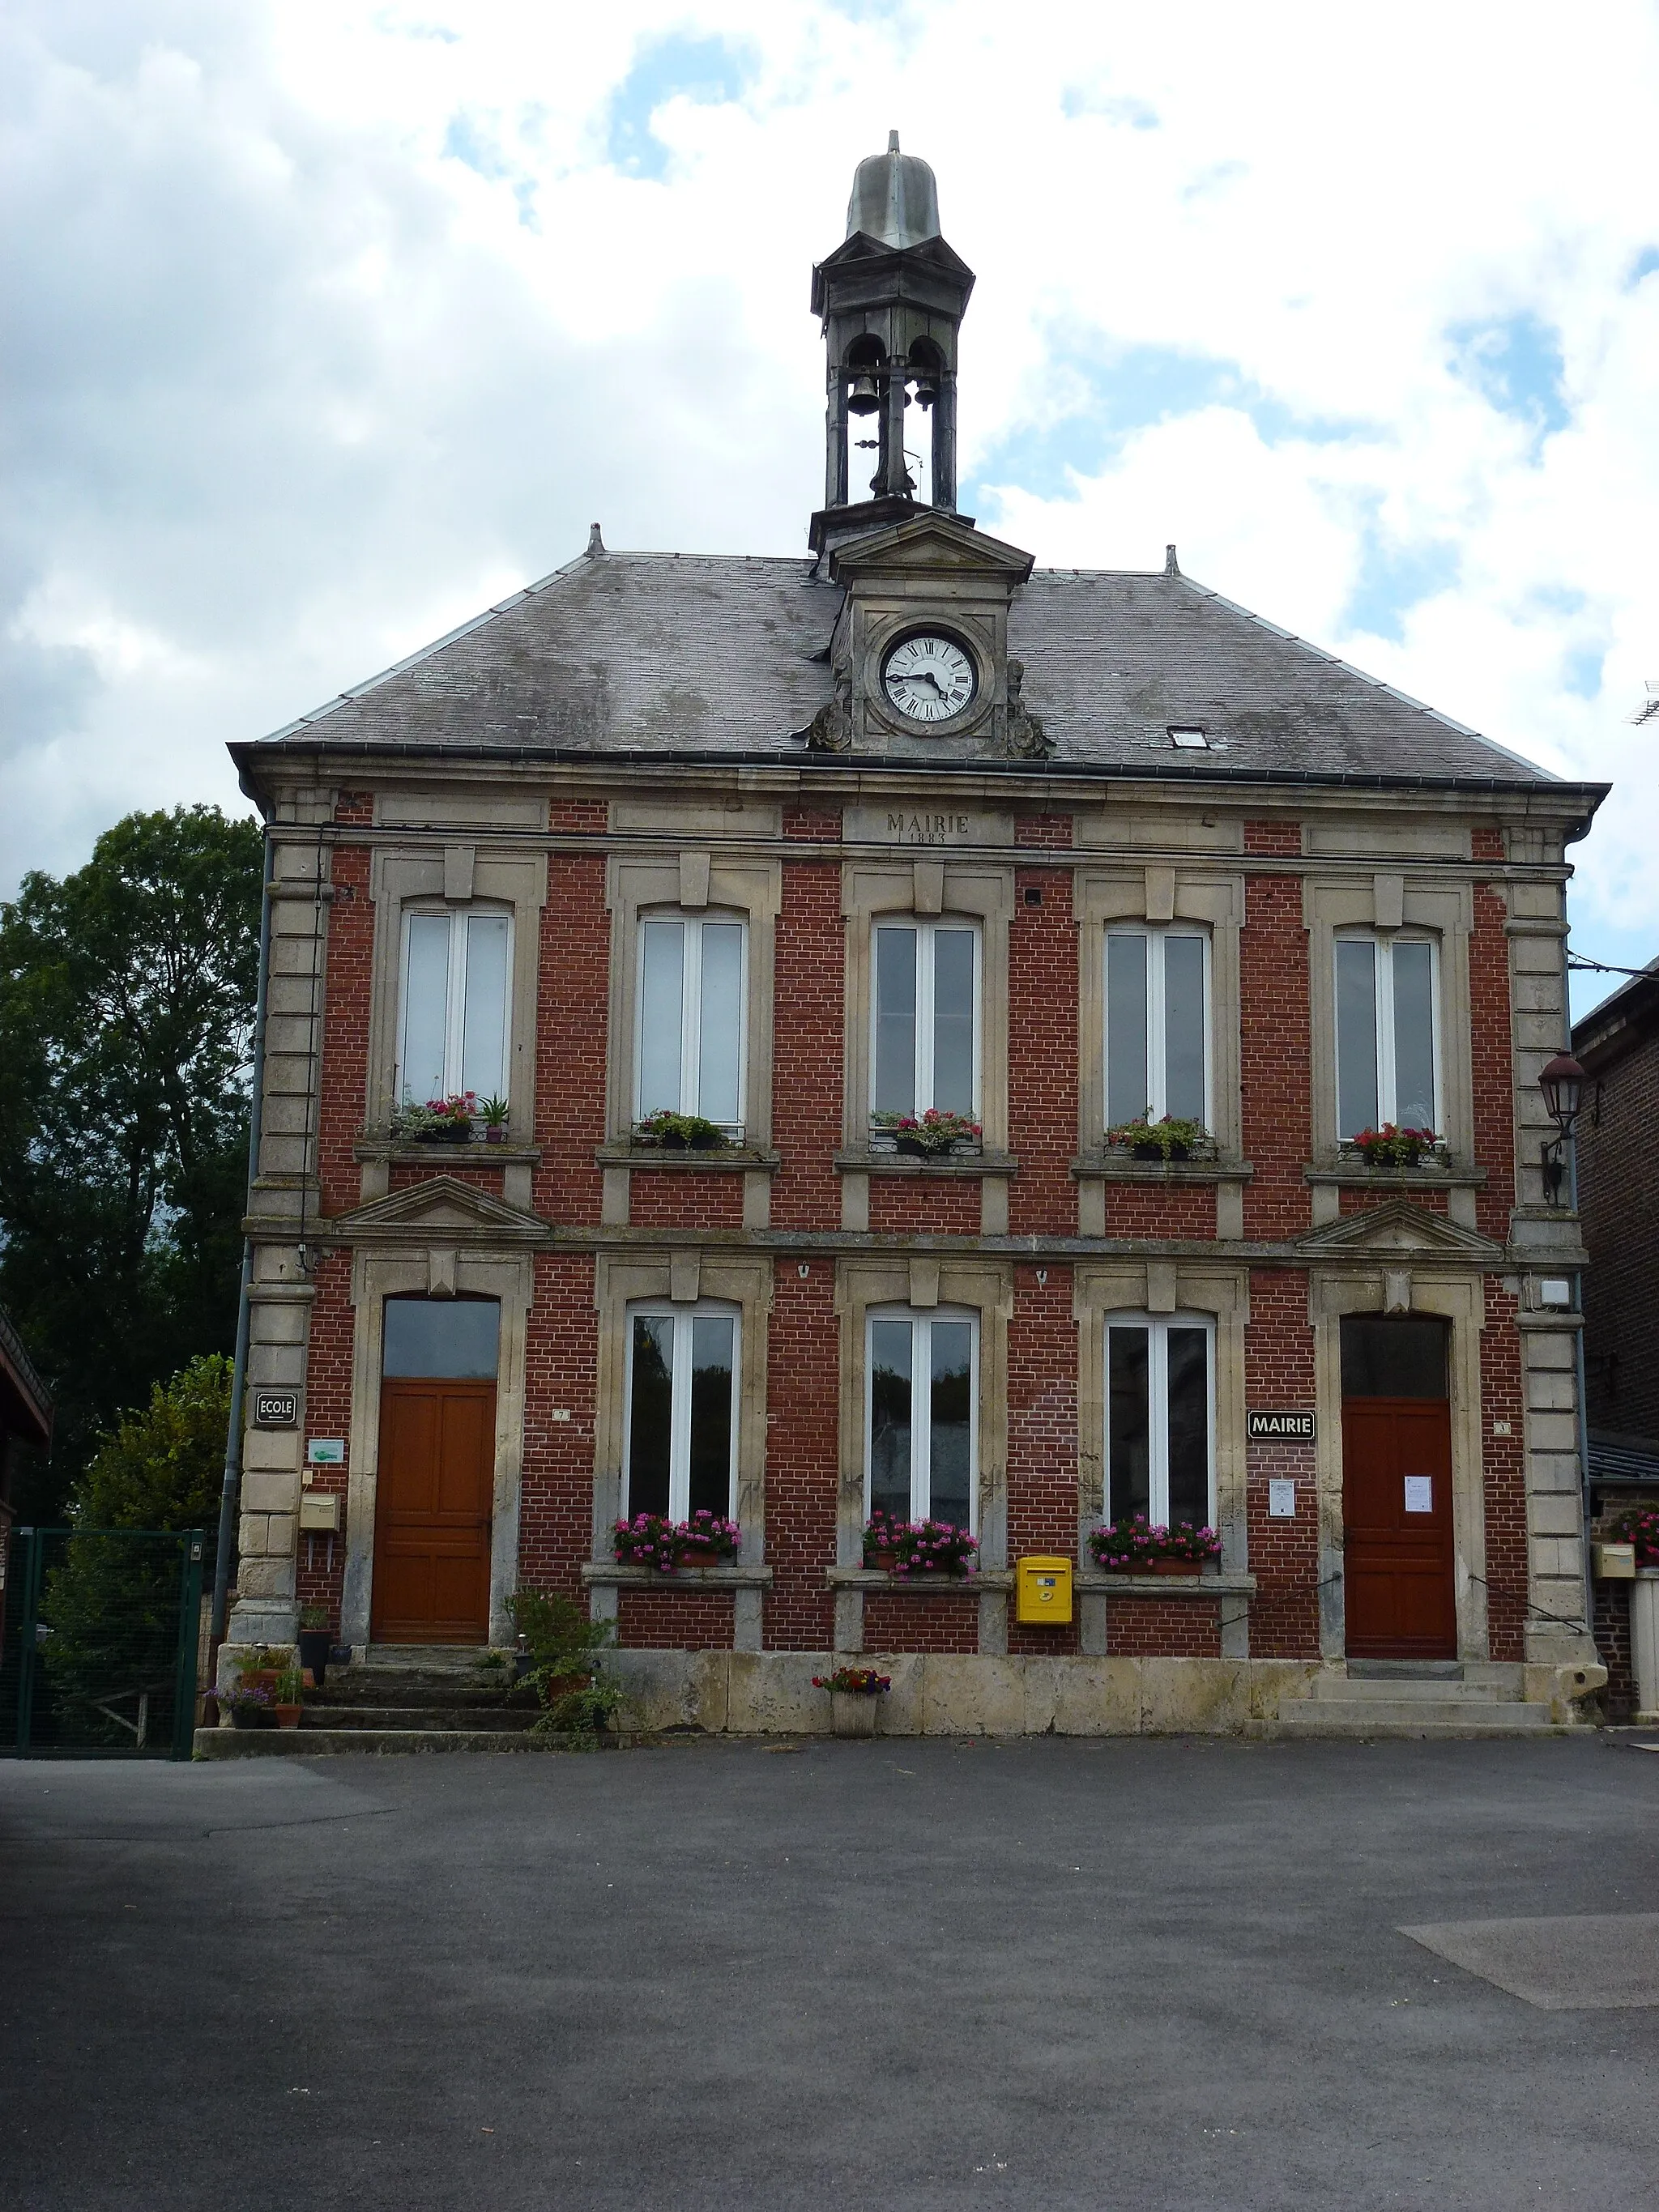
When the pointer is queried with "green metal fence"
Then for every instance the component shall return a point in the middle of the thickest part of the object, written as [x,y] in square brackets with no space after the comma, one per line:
[102,1634]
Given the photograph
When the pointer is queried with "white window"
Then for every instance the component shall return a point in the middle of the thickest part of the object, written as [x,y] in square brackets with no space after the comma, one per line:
[688,1047]
[454,1017]
[921,1428]
[682,1410]
[925,1022]
[1158,1026]
[1160,1390]
[1387,1034]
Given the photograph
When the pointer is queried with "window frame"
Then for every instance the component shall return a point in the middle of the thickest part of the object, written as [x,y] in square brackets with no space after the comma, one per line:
[921,1429]
[1383,942]
[926,927]
[691,973]
[1157,1392]
[679,1445]
[1155,1104]
[455,990]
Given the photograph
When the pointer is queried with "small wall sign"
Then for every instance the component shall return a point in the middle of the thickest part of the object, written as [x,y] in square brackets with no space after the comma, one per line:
[326,1451]
[275,1409]
[1281,1501]
[1280,1428]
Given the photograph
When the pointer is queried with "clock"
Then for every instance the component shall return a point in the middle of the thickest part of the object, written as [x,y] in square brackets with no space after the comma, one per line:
[929,679]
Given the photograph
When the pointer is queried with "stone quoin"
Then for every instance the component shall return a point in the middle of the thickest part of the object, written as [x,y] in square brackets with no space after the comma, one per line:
[801,848]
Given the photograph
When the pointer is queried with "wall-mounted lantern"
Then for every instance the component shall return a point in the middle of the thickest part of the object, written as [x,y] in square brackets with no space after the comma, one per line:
[1562,1083]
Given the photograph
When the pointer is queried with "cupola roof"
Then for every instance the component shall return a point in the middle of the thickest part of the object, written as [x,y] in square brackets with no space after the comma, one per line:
[895,199]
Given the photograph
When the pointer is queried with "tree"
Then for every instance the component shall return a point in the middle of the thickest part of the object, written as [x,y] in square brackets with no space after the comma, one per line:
[126,1015]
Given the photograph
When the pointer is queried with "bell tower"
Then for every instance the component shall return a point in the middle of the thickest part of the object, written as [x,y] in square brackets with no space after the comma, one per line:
[891,298]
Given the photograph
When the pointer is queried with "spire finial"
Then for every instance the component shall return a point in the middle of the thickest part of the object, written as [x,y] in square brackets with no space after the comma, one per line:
[1171,567]
[595,543]
[893,141]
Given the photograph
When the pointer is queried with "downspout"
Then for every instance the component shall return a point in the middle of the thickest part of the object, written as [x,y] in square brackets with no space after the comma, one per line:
[230,1497]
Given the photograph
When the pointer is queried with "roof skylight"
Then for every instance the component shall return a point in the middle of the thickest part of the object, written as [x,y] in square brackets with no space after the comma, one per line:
[1188,738]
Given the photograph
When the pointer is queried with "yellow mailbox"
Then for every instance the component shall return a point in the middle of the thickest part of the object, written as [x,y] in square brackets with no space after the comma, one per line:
[1043,1592]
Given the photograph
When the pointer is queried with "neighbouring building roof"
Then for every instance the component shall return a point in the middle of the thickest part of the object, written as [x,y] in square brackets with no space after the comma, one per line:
[1625,1018]
[673,655]
[24,1401]
[1623,1459]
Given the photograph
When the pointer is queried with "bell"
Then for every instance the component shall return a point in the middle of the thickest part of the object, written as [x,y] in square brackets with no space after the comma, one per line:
[863,399]
[926,388]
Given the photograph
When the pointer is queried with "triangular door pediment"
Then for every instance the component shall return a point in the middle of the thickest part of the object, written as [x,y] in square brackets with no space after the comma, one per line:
[1398,1227]
[444,1206]
[929,542]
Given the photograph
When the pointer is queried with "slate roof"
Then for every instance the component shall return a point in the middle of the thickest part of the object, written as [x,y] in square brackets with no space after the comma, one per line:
[687,655]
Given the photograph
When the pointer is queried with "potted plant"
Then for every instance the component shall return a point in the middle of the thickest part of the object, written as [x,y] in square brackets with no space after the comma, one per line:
[562,1647]
[919,1548]
[1168,1138]
[286,1702]
[1138,1546]
[854,1697]
[313,1640]
[493,1114]
[678,1133]
[1391,1148]
[440,1121]
[929,1136]
[652,1540]
[1638,1526]
[258,1667]
[250,1705]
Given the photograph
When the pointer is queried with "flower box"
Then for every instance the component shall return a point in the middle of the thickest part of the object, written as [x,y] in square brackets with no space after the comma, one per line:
[1161,1567]
[1392,1147]
[937,1549]
[652,1540]
[854,1695]
[1138,1546]
[929,1136]
[1167,1140]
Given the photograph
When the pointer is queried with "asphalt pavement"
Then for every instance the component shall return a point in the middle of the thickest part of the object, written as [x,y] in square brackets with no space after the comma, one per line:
[1169,1976]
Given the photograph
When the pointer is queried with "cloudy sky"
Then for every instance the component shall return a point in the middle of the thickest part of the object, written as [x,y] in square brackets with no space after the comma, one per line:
[332,323]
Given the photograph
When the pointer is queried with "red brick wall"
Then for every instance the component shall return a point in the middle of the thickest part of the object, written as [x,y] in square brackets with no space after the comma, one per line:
[1042,1043]
[812,825]
[1277,1043]
[895,1621]
[1278,1377]
[1493,1076]
[1042,1435]
[1611,1618]
[346,959]
[1148,1209]
[328,1413]
[683,1199]
[1163,1628]
[809,981]
[802,1455]
[555,1512]
[1367,1200]
[355,809]
[1505,1476]
[684,1619]
[925,1205]
[572,1021]
[1619,1195]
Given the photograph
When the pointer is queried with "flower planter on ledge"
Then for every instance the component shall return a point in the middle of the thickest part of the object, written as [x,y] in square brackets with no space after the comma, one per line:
[1162,1567]
[852,1713]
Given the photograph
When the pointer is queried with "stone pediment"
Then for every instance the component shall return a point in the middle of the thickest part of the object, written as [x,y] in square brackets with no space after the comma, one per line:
[927,544]
[1399,1226]
[445,1207]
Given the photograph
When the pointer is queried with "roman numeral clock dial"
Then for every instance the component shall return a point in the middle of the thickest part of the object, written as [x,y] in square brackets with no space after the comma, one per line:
[928,679]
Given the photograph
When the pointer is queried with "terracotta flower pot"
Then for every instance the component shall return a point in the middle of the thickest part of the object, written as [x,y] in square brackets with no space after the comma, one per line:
[852,1712]
[494,1132]
[287,1717]
[886,1560]
[1164,1567]
[700,1555]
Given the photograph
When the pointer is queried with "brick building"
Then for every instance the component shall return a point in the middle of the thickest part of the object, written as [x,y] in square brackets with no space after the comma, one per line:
[1618,1047]
[803,847]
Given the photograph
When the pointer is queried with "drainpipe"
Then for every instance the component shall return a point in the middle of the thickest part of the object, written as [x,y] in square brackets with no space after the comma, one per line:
[230,1497]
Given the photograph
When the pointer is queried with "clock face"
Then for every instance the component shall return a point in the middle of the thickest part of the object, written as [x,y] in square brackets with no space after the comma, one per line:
[929,679]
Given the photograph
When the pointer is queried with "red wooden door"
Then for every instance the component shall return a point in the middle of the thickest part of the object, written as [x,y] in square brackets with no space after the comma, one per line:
[432,1511]
[1397,1516]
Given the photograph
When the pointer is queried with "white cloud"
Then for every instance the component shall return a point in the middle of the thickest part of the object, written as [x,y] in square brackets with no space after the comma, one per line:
[339,317]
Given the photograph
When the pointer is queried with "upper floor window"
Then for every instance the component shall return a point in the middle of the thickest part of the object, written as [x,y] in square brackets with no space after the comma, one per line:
[1387,1034]
[921,1429]
[453,1020]
[690,1048]
[682,1440]
[925,1048]
[1158,1027]
[1160,1386]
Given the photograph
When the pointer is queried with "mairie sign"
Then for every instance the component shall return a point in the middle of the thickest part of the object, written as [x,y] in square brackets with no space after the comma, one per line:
[1281,1428]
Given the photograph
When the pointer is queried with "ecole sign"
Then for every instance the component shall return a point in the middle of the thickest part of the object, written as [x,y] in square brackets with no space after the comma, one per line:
[275,1409]
[1280,1428]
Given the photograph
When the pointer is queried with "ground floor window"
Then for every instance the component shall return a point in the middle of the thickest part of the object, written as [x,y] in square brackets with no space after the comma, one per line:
[682,1410]
[921,1430]
[1160,1396]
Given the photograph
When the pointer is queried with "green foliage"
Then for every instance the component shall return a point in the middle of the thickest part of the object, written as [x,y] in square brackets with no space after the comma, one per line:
[1171,1136]
[695,1130]
[163,1467]
[126,1012]
[578,1701]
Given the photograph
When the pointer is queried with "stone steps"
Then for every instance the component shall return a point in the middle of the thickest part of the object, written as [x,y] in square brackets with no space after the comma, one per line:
[447,1715]
[401,1697]
[311,1743]
[1445,1717]
[1400,1689]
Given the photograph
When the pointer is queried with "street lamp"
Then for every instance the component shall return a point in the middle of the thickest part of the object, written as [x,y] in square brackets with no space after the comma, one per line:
[1562,1083]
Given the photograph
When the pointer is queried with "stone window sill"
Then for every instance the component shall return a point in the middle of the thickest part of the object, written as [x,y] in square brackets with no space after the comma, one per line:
[922,1585]
[729,1158]
[476,1153]
[1228,1583]
[1354,1175]
[614,1574]
[861,1160]
[1119,1167]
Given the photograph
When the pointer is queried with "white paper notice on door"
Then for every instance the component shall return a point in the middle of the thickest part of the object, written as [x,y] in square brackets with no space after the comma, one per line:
[1419,1493]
